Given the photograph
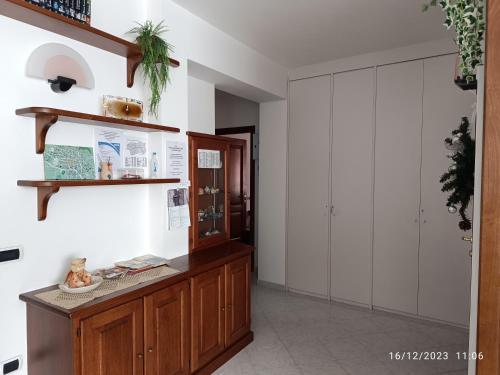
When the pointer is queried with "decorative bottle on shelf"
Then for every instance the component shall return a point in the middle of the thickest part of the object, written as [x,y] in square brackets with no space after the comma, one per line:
[154,166]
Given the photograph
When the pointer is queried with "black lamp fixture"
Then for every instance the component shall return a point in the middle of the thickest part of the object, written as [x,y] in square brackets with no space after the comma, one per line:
[61,84]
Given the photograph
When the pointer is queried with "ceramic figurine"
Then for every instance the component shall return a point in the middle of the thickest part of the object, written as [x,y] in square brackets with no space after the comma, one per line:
[77,276]
[207,189]
[201,191]
[201,215]
[106,170]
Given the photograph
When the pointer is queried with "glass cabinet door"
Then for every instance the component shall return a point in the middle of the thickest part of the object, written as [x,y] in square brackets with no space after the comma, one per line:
[211,195]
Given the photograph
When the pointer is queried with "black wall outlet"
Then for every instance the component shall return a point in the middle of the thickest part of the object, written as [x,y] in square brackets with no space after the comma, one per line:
[11,366]
[9,254]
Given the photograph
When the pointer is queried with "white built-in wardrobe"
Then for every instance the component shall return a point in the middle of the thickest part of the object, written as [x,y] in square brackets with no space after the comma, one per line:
[367,221]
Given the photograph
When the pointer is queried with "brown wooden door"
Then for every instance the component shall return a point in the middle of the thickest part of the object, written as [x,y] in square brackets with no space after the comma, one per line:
[237,199]
[166,323]
[237,299]
[113,341]
[207,317]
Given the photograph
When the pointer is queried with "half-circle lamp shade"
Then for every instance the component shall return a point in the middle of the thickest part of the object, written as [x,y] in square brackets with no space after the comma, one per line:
[54,59]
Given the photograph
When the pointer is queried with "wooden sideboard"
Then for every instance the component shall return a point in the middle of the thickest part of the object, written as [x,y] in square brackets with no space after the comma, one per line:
[188,323]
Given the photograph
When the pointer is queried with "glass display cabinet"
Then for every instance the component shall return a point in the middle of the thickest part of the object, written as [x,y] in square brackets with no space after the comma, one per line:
[208,171]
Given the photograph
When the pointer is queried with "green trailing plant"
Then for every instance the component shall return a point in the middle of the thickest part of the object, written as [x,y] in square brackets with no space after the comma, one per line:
[467,17]
[155,62]
[459,179]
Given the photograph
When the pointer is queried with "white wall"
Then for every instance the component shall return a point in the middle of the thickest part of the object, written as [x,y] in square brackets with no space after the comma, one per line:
[104,224]
[203,44]
[201,106]
[272,192]
[233,111]
[476,228]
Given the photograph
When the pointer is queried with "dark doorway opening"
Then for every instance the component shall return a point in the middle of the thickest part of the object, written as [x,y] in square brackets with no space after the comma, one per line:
[248,193]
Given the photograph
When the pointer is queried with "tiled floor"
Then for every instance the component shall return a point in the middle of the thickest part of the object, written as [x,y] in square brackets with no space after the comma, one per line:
[299,335]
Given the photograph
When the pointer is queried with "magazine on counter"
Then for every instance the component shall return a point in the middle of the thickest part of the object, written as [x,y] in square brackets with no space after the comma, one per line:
[142,263]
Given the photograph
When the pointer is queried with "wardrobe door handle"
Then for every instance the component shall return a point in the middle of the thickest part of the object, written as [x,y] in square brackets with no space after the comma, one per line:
[140,355]
[150,350]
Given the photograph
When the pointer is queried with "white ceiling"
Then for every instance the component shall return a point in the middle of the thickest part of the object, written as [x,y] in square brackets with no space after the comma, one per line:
[295,33]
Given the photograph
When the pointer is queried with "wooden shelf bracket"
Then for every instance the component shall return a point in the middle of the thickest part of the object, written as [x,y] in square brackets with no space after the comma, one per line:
[44,195]
[43,124]
[133,63]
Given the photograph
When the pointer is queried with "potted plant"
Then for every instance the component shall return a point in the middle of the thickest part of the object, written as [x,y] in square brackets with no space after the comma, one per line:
[467,17]
[155,62]
[459,178]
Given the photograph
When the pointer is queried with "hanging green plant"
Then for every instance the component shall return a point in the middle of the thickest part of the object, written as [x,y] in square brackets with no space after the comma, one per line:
[459,179]
[467,17]
[155,62]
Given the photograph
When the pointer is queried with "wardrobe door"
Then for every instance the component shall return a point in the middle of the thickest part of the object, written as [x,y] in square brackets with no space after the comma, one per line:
[397,182]
[352,185]
[308,187]
[445,265]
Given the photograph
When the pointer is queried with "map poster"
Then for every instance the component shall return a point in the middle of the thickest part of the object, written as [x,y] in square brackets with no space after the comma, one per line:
[136,151]
[177,160]
[68,163]
[109,144]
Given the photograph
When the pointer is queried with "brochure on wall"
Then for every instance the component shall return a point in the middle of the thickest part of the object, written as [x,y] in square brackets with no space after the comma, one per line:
[177,160]
[209,159]
[136,151]
[109,145]
[178,209]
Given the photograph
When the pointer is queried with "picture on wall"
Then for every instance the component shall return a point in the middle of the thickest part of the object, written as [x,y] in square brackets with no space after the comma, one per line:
[69,163]
[122,108]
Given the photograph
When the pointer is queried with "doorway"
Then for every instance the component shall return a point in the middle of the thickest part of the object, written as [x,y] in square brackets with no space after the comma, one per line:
[242,183]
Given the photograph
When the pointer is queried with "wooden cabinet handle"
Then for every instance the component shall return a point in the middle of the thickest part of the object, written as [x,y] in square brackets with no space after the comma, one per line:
[150,350]
[140,355]
[223,309]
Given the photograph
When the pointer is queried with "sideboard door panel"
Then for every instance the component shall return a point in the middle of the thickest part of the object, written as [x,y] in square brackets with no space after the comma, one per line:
[238,300]
[167,331]
[207,317]
[113,341]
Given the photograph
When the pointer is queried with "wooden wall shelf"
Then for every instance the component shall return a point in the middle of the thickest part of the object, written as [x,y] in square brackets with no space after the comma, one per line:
[34,15]
[47,188]
[46,117]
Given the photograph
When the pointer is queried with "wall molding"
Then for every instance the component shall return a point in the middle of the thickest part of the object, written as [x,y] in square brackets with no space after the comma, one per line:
[373,59]
[270,285]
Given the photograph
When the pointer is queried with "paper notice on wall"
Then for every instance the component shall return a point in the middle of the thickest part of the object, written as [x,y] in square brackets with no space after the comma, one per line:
[136,151]
[209,159]
[178,209]
[108,146]
[177,160]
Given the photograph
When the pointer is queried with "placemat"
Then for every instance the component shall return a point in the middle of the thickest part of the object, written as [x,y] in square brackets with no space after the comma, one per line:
[69,301]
